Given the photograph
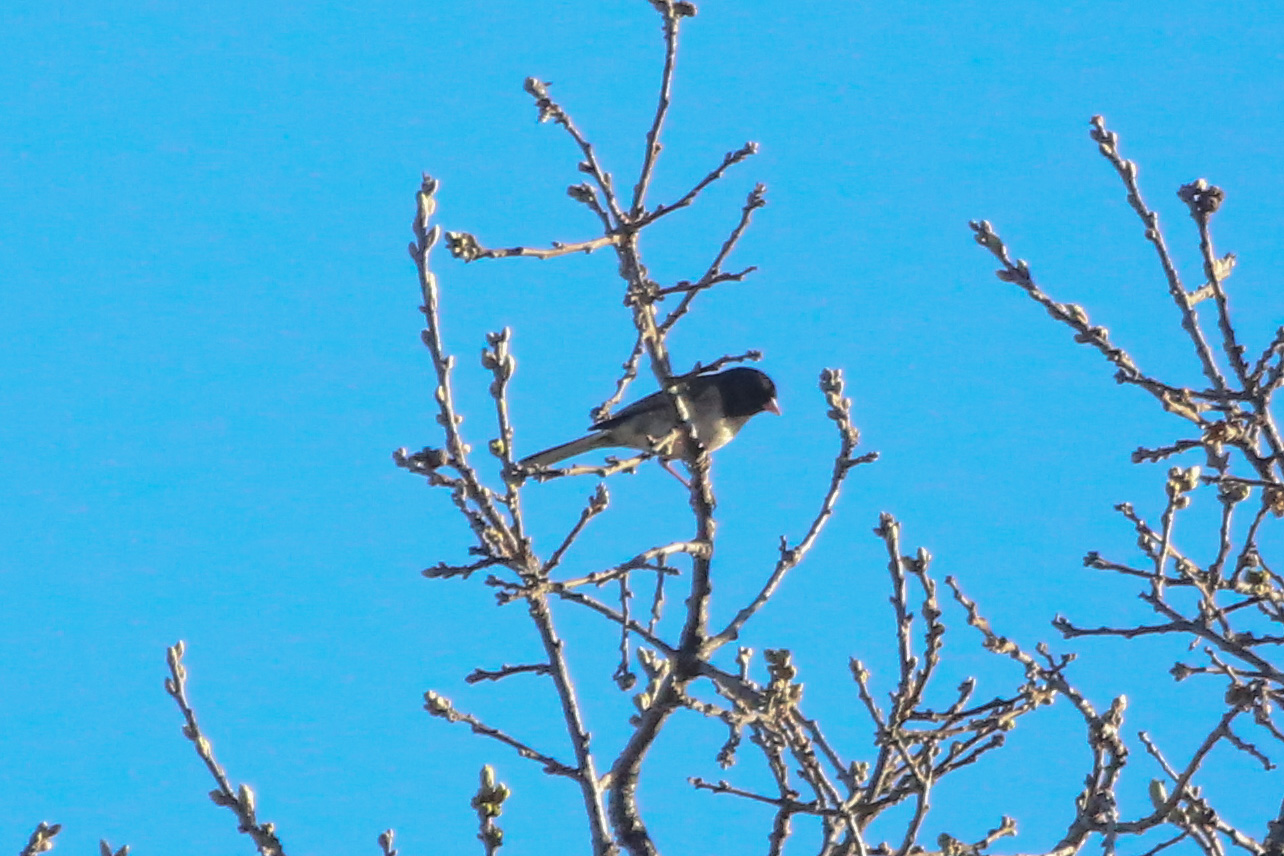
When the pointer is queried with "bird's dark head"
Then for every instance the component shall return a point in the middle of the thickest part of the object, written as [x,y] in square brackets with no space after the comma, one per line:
[746,392]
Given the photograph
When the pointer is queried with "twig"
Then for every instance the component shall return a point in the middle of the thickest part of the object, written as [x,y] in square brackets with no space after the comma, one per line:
[841,770]
[630,369]
[443,571]
[641,560]
[671,12]
[685,287]
[755,200]
[1249,749]
[1144,455]
[465,246]
[478,675]
[596,505]
[1203,200]
[1181,781]
[1070,631]
[1273,351]
[701,368]
[644,633]
[831,384]
[657,603]
[1108,144]
[591,791]
[793,806]
[488,524]
[1007,827]
[440,706]
[488,802]
[1164,845]
[728,160]
[624,677]
[498,359]
[1094,560]
[42,839]
[609,467]
[1018,273]
[550,110]
[241,801]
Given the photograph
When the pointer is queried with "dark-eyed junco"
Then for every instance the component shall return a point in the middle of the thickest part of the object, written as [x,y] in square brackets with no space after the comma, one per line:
[720,404]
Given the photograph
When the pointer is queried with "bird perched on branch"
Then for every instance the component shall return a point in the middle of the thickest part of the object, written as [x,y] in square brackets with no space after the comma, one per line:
[720,406]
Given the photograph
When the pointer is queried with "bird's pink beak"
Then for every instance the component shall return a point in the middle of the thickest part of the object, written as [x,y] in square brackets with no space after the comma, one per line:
[772,407]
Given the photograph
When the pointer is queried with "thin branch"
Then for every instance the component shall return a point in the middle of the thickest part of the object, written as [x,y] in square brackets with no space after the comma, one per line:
[701,368]
[42,839]
[657,603]
[729,160]
[1143,455]
[755,200]
[550,110]
[1093,560]
[641,560]
[488,524]
[478,675]
[921,807]
[488,802]
[624,677]
[1070,631]
[441,570]
[465,246]
[1108,144]
[1181,780]
[1274,351]
[612,465]
[790,805]
[499,360]
[630,372]
[1201,629]
[1017,272]
[1249,749]
[1203,200]
[441,707]
[596,505]
[591,790]
[644,633]
[671,11]
[1164,845]
[841,770]
[831,384]
[241,801]
[685,287]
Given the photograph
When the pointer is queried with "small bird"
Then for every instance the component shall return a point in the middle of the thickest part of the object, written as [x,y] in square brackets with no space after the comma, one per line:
[720,405]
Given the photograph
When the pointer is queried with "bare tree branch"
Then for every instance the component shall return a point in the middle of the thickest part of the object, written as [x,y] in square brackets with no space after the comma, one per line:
[240,801]
[42,839]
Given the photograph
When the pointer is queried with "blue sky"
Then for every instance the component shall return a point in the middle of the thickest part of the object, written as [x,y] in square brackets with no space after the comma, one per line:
[209,344]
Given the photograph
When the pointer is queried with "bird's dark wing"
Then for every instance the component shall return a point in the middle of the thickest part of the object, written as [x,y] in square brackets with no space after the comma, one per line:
[653,403]
[656,403]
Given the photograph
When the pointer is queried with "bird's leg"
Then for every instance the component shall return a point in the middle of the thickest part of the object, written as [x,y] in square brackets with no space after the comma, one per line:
[665,463]
[668,448]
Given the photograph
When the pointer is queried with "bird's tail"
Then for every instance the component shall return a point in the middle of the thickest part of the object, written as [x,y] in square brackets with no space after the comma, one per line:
[548,457]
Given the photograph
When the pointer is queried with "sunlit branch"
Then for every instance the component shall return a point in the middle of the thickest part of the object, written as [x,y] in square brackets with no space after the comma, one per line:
[550,110]
[1108,144]
[440,706]
[729,160]
[464,246]
[240,801]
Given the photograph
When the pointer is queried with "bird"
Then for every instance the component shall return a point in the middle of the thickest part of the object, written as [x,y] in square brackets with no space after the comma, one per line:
[720,405]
